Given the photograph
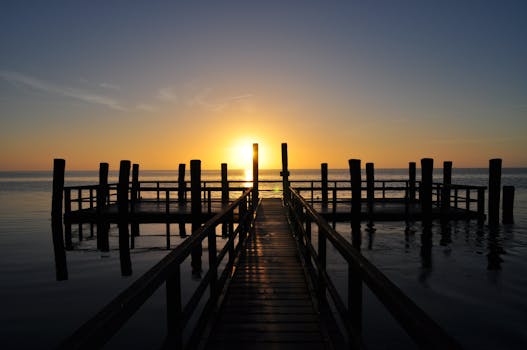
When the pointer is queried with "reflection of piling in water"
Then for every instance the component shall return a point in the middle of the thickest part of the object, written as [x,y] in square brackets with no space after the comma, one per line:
[122,205]
[508,205]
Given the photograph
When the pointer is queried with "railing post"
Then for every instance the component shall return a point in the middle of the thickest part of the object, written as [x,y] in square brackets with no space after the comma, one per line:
[334,209]
[195,198]
[370,188]
[102,195]
[322,262]
[135,185]
[255,176]
[285,173]
[174,309]
[494,191]
[213,264]
[59,166]
[324,184]
[508,205]
[356,189]
[122,203]
[425,195]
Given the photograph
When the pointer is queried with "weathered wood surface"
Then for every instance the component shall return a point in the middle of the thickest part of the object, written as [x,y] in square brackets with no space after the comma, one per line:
[268,304]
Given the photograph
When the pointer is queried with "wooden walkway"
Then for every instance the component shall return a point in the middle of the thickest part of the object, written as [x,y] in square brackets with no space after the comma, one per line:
[268,304]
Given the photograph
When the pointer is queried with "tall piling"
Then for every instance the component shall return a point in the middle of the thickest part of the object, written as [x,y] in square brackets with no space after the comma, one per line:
[59,166]
[324,184]
[445,190]
[411,181]
[224,195]
[285,171]
[425,195]
[102,200]
[494,191]
[370,188]
[123,207]
[256,194]
[195,201]
[508,205]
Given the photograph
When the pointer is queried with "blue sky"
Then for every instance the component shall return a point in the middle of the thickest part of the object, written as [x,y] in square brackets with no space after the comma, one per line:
[385,81]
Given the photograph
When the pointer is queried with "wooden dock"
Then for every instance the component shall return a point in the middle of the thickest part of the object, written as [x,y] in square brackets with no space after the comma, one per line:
[268,304]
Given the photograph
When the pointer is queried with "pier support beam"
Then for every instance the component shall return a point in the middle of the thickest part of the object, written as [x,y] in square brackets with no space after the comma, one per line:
[411,181]
[285,171]
[224,195]
[195,199]
[324,184]
[122,204]
[494,191]
[425,195]
[445,192]
[181,195]
[508,205]
[370,188]
[102,200]
[256,194]
[61,270]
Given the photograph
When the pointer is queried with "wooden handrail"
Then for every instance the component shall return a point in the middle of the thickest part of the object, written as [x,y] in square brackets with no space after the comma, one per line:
[419,326]
[100,328]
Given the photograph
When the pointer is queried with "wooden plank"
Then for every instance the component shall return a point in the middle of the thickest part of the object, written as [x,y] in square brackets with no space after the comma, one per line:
[268,304]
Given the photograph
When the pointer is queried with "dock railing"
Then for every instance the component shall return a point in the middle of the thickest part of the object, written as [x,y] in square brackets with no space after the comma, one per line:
[99,329]
[418,325]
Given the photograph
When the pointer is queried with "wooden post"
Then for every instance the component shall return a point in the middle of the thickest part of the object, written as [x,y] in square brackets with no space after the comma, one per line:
[195,199]
[174,309]
[370,188]
[324,184]
[508,205]
[481,205]
[224,196]
[411,181]
[255,176]
[181,184]
[102,195]
[67,222]
[356,184]
[135,186]
[285,172]
[167,211]
[445,192]
[427,168]
[59,166]
[494,191]
[122,205]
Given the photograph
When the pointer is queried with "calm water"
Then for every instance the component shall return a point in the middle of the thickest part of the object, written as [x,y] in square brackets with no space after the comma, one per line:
[472,282]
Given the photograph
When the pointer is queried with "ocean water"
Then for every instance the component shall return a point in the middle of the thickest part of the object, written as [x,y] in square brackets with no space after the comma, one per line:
[472,280]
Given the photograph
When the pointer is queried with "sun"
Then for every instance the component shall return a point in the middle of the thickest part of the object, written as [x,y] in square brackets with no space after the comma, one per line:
[241,157]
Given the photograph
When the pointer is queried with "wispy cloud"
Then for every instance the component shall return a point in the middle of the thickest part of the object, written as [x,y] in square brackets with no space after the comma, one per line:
[203,100]
[167,94]
[146,107]
[110,86]
[82,95]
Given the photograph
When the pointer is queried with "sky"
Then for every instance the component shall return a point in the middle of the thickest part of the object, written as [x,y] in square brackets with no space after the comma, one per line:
[163,82]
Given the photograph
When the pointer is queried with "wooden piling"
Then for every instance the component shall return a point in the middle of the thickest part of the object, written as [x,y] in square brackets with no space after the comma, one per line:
[195,201]
[508,205]
[256,195]
[445,190]
[181,184]
[123,205]
[285,171]
[102,198]
[67,222]
[135,185]
[356,189]
[494,191]
[370,188]
[411,181]
[324,184]
[59,166]
[224,195]
[425,195]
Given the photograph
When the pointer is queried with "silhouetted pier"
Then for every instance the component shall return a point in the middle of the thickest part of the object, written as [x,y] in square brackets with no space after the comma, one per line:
[267,286]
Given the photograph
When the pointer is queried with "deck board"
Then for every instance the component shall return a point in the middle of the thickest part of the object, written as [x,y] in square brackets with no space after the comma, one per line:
[268,304]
